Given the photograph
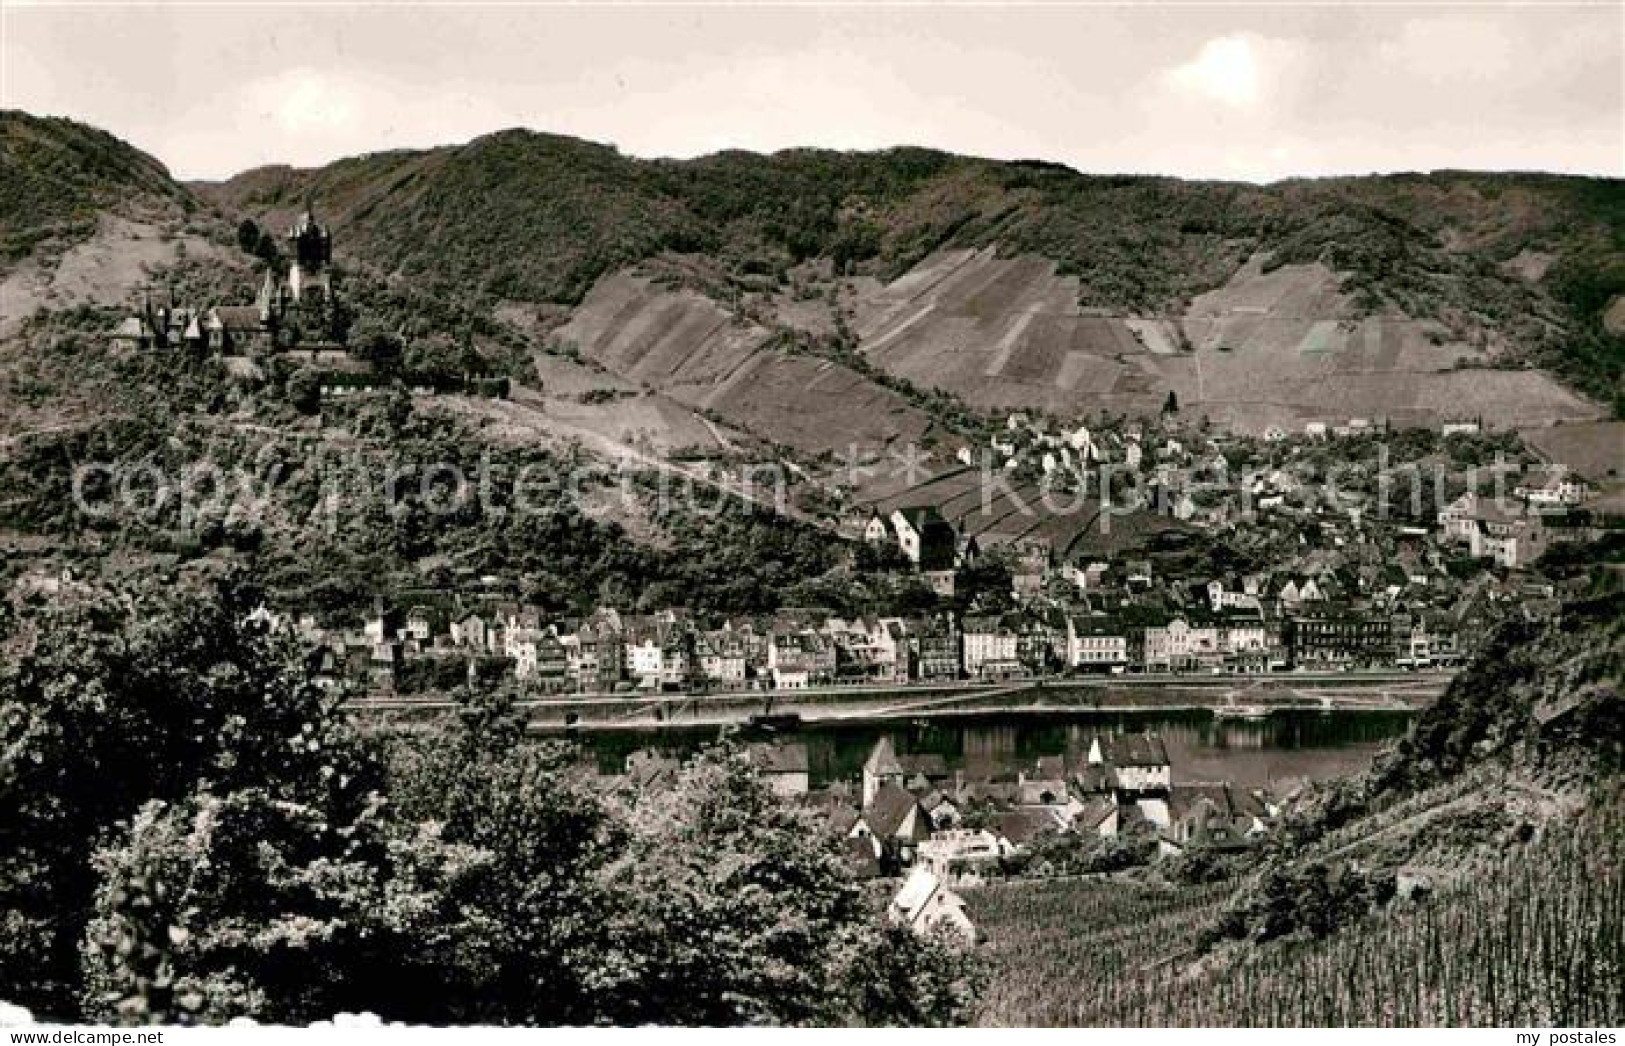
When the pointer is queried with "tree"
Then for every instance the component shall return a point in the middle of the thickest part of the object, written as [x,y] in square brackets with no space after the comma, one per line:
[398,409]
[248,235]
[305,390]
[371,341]
[266,250]
[220,906]
[736,909]
[1171,404]
[986,585]
[542,838]
[732,906]
[440,360]
[897,979]
[130,696]
[192,833]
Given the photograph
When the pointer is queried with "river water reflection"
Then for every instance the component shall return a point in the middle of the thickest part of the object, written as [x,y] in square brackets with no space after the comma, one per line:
[1285,747]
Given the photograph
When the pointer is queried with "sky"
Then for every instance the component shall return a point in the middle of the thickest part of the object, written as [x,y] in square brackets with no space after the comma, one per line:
[1252,93]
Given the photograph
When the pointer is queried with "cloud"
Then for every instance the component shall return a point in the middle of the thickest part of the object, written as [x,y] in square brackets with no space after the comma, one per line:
[1259,93]
[1226,70]
[303,101]
[307,116]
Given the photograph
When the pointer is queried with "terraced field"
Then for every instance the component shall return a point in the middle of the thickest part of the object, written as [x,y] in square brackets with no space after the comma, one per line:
[688,347]
[1003,333]
[1455,961]
[1283,347]
[1278,348]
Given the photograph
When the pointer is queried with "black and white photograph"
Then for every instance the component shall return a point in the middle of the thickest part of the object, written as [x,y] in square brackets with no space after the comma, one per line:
[811,515]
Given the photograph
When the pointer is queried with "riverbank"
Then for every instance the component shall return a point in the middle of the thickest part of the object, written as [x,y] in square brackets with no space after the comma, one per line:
[1238,697]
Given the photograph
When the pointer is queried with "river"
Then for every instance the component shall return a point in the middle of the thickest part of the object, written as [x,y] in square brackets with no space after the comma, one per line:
[1286,747]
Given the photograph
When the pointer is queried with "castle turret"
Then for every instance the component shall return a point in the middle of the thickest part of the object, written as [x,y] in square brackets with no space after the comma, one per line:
[310,244]
[269,297]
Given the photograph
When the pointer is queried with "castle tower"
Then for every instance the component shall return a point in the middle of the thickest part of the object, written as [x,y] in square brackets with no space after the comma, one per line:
[310,245]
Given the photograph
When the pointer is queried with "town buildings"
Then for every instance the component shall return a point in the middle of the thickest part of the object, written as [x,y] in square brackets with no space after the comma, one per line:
[1509,534]
[1321,583]
[989,649]
[925,904]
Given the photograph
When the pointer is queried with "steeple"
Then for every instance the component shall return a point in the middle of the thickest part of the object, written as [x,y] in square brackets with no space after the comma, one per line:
[266,301]
[881,766]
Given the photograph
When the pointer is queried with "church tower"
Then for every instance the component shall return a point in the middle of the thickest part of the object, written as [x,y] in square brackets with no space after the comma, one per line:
[310,245]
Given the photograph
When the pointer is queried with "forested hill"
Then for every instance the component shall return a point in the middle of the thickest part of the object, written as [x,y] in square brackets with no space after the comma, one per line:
[58,176]
[1540,708]
[533,217]
[1528,261]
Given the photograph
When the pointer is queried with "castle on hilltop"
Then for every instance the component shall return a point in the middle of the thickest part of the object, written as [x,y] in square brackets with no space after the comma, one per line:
[295,309]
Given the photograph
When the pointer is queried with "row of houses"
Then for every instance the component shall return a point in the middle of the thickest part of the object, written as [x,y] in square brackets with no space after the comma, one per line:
[670,651]
[915,808]
[608,651]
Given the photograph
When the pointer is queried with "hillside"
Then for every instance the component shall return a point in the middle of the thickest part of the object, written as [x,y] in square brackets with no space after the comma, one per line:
[1272,346]
[1493,269]
[58,177]
[1471,877]
[816,300]
[86,219]
[687,346]
[68,395]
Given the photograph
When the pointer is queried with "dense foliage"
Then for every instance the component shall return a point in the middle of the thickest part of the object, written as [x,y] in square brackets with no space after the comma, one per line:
[192,832]
[307,502]
[130,697]
[1491,709]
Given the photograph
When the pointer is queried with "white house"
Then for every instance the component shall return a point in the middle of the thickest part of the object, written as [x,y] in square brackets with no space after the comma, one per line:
[1509,540]
[1092,644]
[1139,763]
[1180,644]
[924,903]
[1456,519]
[959,853]
[1551,487]
[989,648]
[419,624]
[782,767]
[646,657]
[924,536]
